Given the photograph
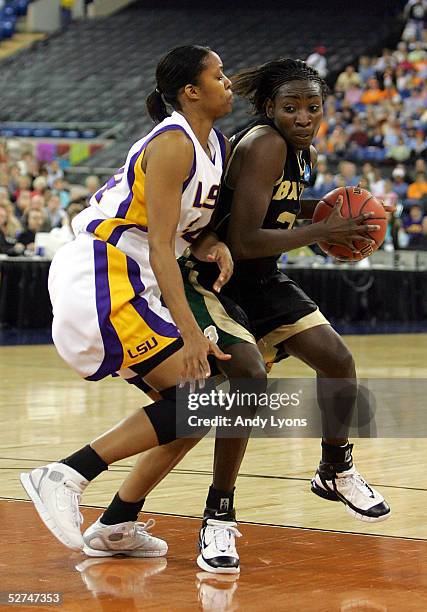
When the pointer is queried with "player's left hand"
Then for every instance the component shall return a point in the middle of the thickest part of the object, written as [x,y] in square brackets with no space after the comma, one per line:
[220,253]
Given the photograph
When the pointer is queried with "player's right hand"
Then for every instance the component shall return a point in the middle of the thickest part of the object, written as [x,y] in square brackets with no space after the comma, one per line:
[343,232]
[195,356]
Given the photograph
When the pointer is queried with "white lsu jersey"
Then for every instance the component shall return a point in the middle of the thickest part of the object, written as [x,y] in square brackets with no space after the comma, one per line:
[119,210]
[108,311]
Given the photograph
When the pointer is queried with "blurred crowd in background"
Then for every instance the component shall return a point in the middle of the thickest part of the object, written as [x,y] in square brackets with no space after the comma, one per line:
[374,134]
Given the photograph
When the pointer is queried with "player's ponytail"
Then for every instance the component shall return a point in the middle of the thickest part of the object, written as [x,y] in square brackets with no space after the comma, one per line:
[156,106]
[178,68]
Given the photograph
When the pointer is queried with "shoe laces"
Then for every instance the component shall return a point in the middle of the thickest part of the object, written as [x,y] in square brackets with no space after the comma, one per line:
[224,535]
[76,496]
[355,480]
[143,528]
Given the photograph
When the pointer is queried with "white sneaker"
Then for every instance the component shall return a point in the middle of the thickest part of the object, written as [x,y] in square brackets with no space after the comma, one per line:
[361,500]
[217,546]
[56,489]
[131,539]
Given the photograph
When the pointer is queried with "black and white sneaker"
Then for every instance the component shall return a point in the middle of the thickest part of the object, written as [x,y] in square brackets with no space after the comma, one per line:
[347,486]
[217,546]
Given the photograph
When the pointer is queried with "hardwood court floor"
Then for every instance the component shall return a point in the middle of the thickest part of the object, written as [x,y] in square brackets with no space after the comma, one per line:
[303,563]
[282,569]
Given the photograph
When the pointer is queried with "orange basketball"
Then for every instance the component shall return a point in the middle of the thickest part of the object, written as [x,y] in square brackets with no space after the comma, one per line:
[355,202]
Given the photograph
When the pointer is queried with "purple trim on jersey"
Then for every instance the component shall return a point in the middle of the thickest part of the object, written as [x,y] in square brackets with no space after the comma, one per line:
[221,140]
[157,324]
[118,232]
[192,171]
[91,227]
[124,206]
[113,350]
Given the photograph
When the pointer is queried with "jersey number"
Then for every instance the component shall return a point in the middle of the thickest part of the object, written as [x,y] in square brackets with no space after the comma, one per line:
[112,182]
[211,199]
[286,219]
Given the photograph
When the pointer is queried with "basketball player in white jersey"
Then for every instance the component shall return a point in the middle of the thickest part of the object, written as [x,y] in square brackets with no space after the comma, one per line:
[118,296]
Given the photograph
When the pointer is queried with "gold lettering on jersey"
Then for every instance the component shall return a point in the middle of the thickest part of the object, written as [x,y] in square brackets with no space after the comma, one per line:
[143,348]
[286,219]
[287,190]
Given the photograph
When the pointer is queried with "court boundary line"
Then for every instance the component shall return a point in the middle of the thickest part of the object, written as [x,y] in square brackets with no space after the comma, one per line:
[185,471]
[199,518]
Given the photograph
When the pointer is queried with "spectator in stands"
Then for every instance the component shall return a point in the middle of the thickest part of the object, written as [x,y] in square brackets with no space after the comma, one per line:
[29,165]
[384,62]
[24,184]
[4,195]
[318,61]
[365,69]
[12,226]
[376,137]
[60,187]
[348,78]
[22,203]
[418,189]
[358,133]
[418,55]
[7,245]
[348,171]
[329,183]
[37,202]
[92,184]
[27,237]
[39,186]
[66,13]
[353,94]
[401,52]
[55,215]
[372,93]
[400,152]
[415,13]
[14,175]
[3,152]
[415,226]
[337,142]
[368,174]
[390,197]
[54,171]
[399,184]
[418,145]
[378,184]
[420,166]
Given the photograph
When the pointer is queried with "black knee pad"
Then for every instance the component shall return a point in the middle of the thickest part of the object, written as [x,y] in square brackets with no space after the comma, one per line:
[162,415]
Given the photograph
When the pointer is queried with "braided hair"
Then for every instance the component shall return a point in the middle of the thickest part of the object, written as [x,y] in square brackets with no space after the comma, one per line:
[263,82]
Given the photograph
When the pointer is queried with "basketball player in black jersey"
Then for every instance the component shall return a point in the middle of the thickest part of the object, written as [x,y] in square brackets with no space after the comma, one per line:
[271,162]
[260,200]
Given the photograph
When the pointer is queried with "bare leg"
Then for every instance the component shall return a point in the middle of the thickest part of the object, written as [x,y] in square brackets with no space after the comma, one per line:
[246,363]
[152,466]
[135,433]
[324,350]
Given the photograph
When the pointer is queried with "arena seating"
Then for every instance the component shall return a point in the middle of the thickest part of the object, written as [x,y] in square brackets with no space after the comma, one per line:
[102,70]
[9,14]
